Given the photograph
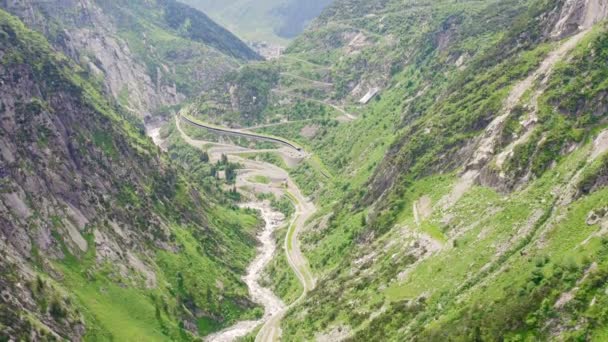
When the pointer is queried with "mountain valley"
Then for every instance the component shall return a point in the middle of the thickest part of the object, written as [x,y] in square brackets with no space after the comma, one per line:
[405,170]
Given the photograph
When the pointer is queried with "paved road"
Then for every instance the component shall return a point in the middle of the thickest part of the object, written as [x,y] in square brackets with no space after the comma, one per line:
[238,132]
[346,115]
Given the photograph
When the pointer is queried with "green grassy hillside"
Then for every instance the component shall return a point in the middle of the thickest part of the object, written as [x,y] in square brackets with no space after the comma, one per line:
[466,199]
[458,161]
[429,257]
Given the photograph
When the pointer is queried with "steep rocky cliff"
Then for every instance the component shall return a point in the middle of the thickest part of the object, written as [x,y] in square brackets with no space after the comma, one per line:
[101,237]
[147,54]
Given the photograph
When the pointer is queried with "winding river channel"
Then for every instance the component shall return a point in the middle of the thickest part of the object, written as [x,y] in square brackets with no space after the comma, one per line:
[279,184]
[261,295]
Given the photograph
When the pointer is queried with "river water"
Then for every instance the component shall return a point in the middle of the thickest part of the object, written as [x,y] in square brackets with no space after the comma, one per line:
[266,251]
[261,295]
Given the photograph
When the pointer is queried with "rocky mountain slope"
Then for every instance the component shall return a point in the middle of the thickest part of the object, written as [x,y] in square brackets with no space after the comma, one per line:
[484,219]
[148,54]
[466,199]
[102,237]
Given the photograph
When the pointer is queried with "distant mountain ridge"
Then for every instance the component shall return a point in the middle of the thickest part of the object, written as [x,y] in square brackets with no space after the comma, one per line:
[197,26]
[275,21]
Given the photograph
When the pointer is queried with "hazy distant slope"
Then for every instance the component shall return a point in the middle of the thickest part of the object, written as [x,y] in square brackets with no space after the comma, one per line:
[271,20]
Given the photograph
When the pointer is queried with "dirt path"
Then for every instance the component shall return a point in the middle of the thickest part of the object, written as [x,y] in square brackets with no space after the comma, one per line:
[280,184]
[346,115]
[271,331]
[319,83]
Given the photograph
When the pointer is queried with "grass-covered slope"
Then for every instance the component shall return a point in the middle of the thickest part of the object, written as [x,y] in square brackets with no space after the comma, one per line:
[354,50]
[467,199]
[102,237]
[485,218]
[186,22]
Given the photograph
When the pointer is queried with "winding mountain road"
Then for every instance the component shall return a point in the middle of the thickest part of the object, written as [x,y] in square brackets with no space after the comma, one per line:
[345,115]
[278,124]
[239,132]
[280,184]
[316,82]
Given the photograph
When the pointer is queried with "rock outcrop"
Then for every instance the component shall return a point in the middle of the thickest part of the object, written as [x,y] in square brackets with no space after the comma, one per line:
[103,37]
[577,15]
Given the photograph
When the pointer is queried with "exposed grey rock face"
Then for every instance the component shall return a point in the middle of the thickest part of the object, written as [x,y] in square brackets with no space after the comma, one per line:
[84,195]
[92,39]
[65,158]
[89,36]
[86,32]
